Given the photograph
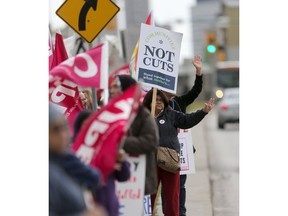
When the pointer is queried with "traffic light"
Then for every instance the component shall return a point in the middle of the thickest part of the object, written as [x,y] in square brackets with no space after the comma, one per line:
[221,53]
[211,42]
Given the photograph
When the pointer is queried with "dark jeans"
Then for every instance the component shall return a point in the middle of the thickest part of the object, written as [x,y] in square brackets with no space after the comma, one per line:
[169,182]
[182,197]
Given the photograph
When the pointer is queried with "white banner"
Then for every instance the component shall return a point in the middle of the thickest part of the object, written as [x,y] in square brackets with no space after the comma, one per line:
[131,192]
[158,58]
[186,151]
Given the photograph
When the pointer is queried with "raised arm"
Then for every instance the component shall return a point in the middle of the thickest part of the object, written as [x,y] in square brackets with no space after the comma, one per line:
[190,96]
[209,105]
[185,121]
[197,62]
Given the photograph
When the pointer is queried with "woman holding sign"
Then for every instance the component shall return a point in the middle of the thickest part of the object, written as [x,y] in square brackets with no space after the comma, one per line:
[180,103]
[168,121]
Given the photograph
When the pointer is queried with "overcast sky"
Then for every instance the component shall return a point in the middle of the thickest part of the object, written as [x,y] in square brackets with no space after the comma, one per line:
[169,11]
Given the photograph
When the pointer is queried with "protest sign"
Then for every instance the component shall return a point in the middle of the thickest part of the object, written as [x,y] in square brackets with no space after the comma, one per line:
[186,151]
[158,58]
[131,193]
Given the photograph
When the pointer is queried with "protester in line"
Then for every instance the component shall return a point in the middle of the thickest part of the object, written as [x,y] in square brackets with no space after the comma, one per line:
[105,195]
[142,137]
[65,193]
[88,94]
[80,120]
[85,175]
[100,98]
[180,103]
[168,122]
[83,99]
[86,98]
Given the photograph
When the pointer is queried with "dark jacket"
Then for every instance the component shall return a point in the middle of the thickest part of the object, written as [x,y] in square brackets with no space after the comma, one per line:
[65,195]
[143,138]
[185,100]
[85,175]
[106,195]
[180,103]
[169,120]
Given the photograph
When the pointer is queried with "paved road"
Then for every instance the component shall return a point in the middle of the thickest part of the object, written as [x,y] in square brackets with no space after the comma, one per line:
[223,155]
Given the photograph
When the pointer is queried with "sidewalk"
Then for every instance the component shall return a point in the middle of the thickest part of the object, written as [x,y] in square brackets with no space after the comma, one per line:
[198,193]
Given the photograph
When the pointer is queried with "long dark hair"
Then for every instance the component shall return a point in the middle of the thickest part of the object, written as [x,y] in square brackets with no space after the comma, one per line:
[148,99]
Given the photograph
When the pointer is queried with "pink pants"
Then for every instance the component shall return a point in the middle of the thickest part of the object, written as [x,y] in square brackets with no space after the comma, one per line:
[171,188]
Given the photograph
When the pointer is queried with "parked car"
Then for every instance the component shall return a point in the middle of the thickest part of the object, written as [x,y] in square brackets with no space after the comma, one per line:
[228,107]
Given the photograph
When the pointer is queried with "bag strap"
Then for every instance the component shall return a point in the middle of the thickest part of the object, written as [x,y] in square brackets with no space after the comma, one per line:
[172,155]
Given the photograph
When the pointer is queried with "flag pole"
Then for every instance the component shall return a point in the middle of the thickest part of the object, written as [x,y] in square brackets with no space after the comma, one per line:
[153,105]
[153,101]
[94,96]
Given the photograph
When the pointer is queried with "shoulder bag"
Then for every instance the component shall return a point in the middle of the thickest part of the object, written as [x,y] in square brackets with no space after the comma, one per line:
[168,159]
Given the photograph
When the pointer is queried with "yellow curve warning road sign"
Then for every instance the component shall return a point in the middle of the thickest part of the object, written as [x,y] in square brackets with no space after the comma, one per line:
[87,17]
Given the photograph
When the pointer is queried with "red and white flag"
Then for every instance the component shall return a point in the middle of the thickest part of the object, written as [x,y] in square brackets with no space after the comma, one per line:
[98,141]
[88,69]
[60,53]
[65,95]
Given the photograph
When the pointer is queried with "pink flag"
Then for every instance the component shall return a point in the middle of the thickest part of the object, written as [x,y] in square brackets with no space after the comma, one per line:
[88,69]
[60,53]
[98,141]
[65,95]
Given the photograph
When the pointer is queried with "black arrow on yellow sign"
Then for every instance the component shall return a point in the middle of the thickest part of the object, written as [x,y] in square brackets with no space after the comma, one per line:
[83,13]
[87,17]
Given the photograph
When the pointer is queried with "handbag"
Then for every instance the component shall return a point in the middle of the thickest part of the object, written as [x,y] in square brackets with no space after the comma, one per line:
[168,159]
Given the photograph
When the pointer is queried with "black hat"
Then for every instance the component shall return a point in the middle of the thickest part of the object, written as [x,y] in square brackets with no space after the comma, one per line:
[126,81]
[80,118]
